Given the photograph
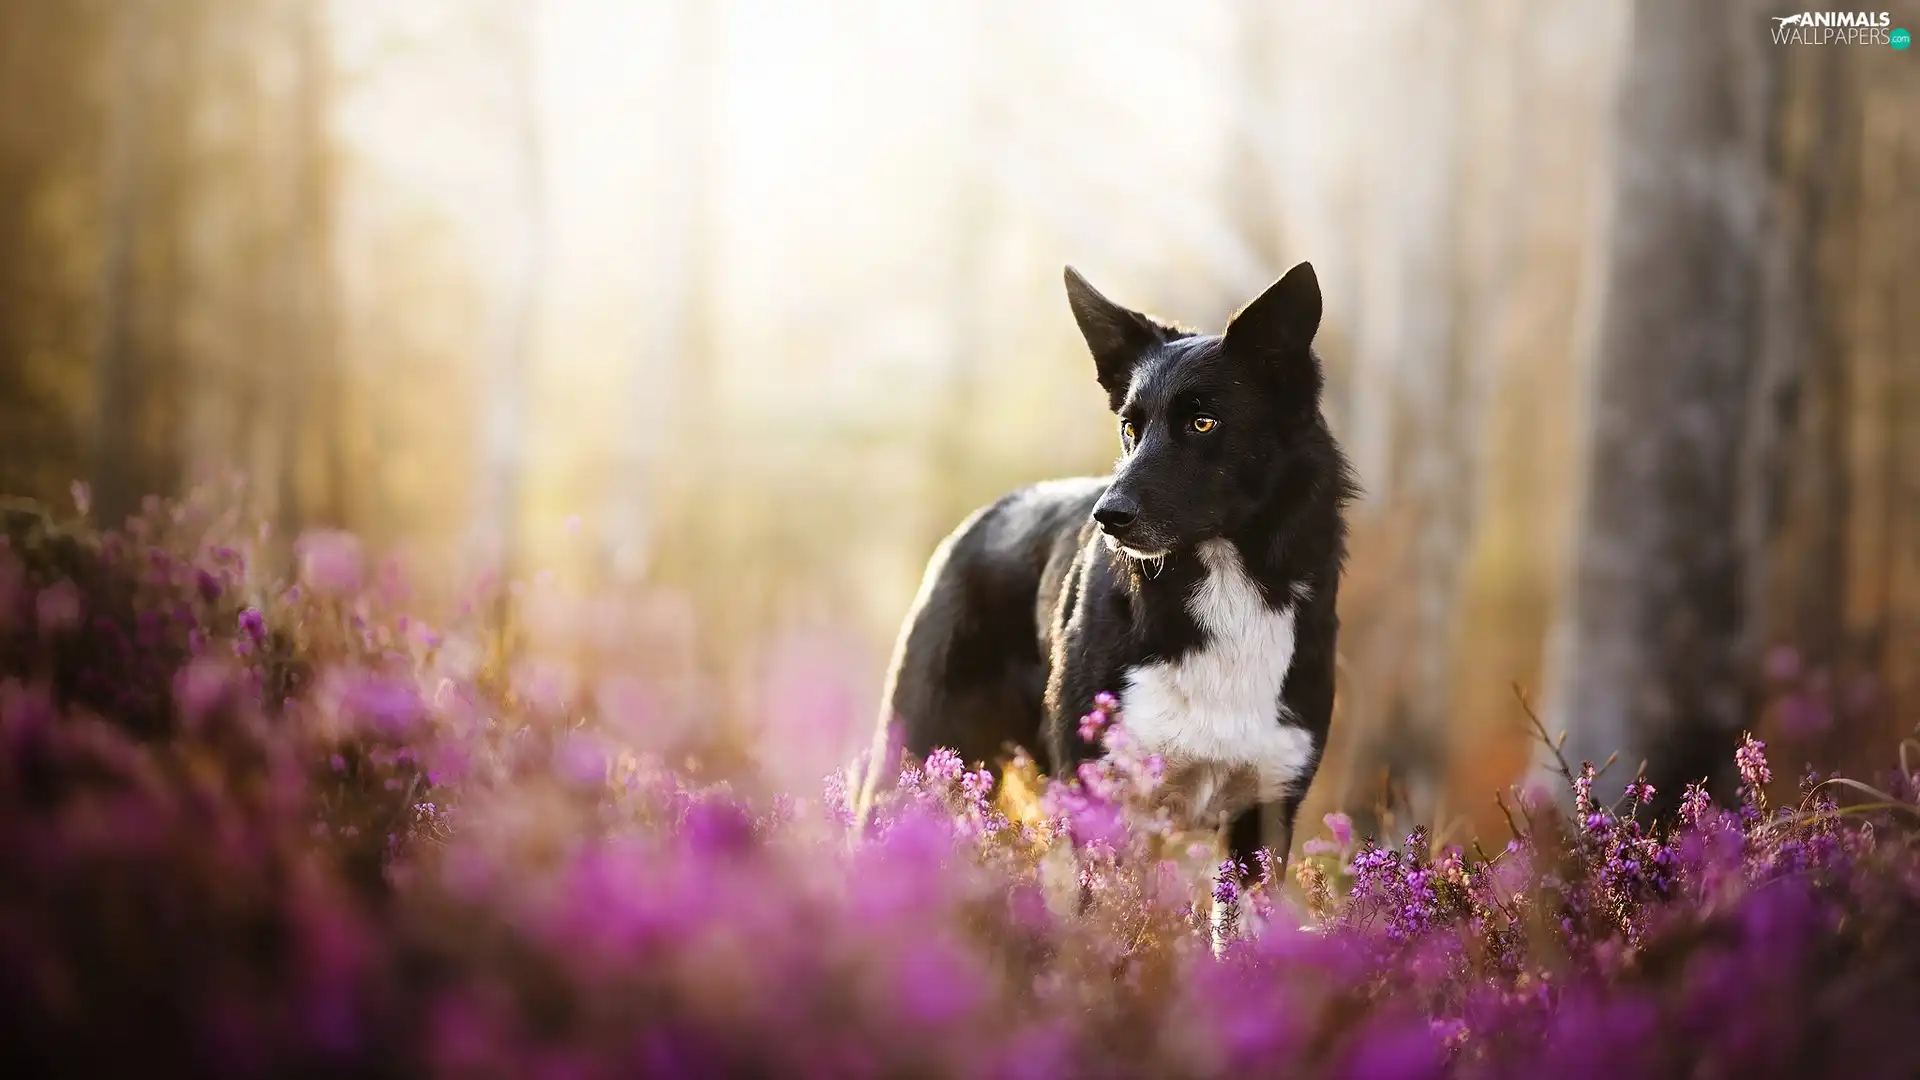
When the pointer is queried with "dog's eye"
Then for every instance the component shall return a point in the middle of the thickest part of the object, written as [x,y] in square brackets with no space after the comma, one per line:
[1127,432]
[1204,424]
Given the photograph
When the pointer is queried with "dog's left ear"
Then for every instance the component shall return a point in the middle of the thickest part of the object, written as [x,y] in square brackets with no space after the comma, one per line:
[1282,319]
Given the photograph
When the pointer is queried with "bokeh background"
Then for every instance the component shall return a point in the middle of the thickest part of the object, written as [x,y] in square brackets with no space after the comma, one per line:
[717,314]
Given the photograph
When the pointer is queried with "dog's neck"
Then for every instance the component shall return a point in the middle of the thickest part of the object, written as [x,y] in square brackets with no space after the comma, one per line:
[1269,539]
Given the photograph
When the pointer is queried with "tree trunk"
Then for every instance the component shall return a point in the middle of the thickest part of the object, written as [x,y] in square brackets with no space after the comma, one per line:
[1437,413]
[312,476]
[1418,427]
[113,375]
[1251,192]
[1656,652]
[669,393]
[517,298]
[952,452]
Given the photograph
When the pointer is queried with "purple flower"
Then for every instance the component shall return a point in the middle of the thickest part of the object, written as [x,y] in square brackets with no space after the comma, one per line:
[1407,1051]
[540,907]
[203,687]
[1782,663]
[1694,805]
[1341,826]
[580,759]
[329,561]
[628,706]
[1804,715]
[545,688]
[1091,822]
[1751,760]
[58,607]
[1226,883]
[943,766]
[385,705]
[936,984]
[718,827]
[837,799]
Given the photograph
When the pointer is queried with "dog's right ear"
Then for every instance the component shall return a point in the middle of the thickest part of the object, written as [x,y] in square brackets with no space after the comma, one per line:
[1117,335]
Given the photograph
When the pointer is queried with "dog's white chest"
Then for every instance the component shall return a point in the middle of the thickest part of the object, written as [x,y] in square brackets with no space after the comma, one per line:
[1214,715]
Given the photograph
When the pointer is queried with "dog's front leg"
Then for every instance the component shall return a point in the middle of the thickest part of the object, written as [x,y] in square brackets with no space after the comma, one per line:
[1267,826]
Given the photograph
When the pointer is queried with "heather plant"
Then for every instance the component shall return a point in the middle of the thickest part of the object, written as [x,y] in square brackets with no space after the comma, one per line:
[266,823]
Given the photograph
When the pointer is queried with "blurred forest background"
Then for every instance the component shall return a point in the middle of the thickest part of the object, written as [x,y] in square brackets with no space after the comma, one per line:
[724,311]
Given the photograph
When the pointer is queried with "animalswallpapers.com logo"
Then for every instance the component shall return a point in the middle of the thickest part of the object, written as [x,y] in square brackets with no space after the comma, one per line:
[1838,28]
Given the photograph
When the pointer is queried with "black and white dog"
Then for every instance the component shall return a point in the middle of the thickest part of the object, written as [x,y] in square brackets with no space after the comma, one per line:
[1197,583]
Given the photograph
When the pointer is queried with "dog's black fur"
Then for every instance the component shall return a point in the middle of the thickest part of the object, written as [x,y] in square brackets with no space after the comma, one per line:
[1028,611]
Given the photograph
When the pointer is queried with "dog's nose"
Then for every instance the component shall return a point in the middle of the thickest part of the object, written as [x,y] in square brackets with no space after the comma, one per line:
[1115,514]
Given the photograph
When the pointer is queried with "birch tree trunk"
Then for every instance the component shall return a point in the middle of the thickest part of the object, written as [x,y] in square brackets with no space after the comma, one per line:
[951,450]
[518,299]
[511,339]
[1251,192]
[668,386]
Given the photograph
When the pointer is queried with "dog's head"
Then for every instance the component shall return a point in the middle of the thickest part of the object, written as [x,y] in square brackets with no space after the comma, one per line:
[1205,420]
